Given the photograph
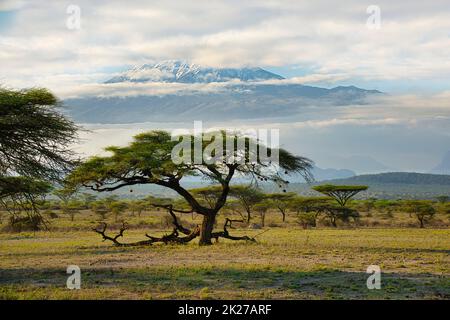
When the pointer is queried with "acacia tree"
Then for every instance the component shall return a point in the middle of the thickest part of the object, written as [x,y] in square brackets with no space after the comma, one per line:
[262,208]
[423,210]
[443,199]
[342,194]
[34,140]
[100,208]
[22,195]
[281,201]
[34,136]
[136,206]
[117,208]
[247,197]
[148,160]
[309,209]
[67,197]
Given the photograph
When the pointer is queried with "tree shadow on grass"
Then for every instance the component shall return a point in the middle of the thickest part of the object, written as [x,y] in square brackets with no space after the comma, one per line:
[237,283]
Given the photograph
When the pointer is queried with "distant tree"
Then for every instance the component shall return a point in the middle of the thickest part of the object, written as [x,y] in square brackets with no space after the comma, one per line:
[68,205]
[315,206]
[308,209]
[443,199]
[87,199]
[148,160]
[423,210]
[71,208]
[207,196]
[136,206]
[307,219]
[117,208]
[99,208]
[342,194]
[262,208]
[281,201]
[247,197]
[369,204]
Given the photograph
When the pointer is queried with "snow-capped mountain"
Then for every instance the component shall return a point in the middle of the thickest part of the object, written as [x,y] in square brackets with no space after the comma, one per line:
[242,94]
[184,72]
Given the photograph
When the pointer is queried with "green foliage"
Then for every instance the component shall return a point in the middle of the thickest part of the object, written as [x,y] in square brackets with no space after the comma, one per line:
[148,160]
[34,141]
[207,196]
[281,201]
[19,223]
[34,137]
[136,206]
[307,219]
[117,208]
[247,197]
[11,187]
[443,199]
[342,194]
[22,195]
[315,206]
[100,209]
[422,209]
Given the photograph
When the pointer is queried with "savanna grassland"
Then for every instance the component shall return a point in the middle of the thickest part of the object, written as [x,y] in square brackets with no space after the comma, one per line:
[286,262]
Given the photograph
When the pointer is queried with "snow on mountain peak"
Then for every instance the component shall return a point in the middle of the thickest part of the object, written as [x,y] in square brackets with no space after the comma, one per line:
[184,72]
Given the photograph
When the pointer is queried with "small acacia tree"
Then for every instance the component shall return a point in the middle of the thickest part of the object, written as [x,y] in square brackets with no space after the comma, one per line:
[281,201]
[20,195]
[247,197]
[149,160]
[262,208]
[136,206]
[423,210]
[117,208]
[443,199]
[308,210]
[342,194]
[100,208]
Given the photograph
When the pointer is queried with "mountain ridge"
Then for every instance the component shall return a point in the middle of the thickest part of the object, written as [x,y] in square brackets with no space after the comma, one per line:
[399,178]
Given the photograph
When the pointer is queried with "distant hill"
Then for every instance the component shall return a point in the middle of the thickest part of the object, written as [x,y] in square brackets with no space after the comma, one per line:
[364,164]
[391,185]
[330,173]
[399,178]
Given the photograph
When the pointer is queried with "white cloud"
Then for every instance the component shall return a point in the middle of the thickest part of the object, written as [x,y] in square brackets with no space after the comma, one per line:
[413,42]
[10,5]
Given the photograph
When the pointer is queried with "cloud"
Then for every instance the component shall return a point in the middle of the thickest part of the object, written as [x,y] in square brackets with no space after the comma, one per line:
[127,89]
[413,42]
[11,5]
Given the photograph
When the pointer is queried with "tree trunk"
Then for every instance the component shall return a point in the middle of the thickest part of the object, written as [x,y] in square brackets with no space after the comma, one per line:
[283,214]
[206,230]
[421,223]
[249,216]
[263,218]
[333,222]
